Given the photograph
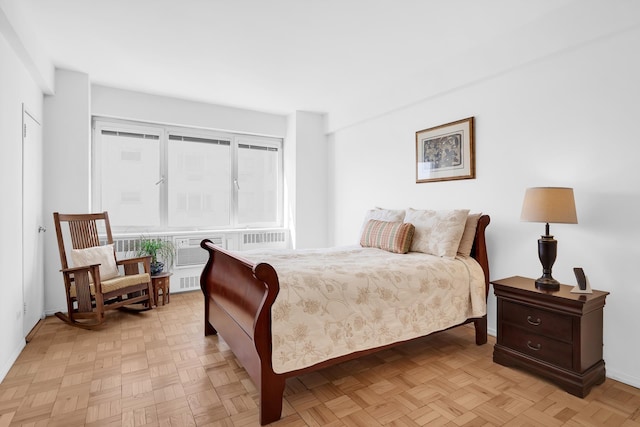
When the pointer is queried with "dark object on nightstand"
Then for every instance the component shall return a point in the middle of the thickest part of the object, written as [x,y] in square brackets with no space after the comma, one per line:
[583,283]
[557,335]
[581,278]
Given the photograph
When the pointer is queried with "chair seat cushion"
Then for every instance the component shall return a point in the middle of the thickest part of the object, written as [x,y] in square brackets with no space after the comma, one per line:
[116,283]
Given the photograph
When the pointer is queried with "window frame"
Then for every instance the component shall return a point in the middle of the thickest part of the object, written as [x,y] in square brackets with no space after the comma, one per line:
[100,124]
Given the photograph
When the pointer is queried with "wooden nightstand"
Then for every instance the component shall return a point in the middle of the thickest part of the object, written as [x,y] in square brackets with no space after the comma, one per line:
[161,282]
[557,335]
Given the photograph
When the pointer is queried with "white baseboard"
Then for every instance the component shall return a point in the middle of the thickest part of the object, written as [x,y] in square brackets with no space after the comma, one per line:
[623,378]
[13,356]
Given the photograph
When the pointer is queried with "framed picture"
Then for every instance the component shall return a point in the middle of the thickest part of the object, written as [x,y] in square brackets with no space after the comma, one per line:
[446,152]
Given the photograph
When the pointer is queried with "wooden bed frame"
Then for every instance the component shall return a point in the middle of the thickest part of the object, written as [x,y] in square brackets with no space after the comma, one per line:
[238,300]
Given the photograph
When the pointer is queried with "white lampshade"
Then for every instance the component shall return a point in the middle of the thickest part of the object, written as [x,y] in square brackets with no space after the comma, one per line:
[550,205]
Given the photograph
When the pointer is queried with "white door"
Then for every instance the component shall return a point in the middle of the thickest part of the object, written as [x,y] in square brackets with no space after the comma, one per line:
[32,223]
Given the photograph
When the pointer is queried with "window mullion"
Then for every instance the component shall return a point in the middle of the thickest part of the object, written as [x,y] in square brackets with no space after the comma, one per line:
[163,180]
[234,182]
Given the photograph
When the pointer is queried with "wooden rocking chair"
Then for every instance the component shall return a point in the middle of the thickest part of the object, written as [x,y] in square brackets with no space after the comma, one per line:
[94,283]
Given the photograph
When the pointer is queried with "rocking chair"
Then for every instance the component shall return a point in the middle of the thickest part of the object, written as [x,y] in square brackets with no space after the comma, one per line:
[94,283]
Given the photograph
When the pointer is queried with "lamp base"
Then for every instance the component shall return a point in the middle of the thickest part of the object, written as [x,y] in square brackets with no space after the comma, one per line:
[547,250]
[547,284]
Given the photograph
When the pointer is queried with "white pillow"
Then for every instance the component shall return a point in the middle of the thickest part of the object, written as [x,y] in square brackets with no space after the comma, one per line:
[469,235]
[437,232]
[380,214]
[102,255]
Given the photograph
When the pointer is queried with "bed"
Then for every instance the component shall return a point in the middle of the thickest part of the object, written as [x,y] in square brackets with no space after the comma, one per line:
[250,296]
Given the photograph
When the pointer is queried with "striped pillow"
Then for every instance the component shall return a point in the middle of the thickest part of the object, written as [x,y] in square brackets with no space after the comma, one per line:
[390,236]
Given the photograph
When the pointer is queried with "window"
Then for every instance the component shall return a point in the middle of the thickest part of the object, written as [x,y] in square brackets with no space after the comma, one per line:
[153,177]
[257,182]
[199,182]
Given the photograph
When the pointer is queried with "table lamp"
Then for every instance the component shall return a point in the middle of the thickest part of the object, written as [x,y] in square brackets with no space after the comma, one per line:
[548,205]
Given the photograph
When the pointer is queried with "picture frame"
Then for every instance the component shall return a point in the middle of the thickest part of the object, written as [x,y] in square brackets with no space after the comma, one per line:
[446,152]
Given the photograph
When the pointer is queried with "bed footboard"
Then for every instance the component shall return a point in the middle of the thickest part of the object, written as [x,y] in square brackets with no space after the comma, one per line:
[237,305]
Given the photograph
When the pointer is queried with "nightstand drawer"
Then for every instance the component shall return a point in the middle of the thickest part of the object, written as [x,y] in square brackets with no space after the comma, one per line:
[538,346]
[538,321]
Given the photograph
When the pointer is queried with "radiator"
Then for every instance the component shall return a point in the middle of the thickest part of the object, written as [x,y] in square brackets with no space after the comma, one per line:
[191,258]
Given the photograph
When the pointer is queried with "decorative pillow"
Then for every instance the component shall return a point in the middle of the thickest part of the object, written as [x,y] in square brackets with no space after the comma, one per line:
[390,236]
[382,215]
[437,232]
[102,255]
[468,235]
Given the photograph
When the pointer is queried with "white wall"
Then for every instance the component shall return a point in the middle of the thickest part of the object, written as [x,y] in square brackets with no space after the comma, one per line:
[26,45]
[306,180]
[311,181]
[16,87]
[67,174]
[124,104]
[566,120]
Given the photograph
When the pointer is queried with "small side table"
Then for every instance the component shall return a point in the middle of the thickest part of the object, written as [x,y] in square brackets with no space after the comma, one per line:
[557,335]
[161,282]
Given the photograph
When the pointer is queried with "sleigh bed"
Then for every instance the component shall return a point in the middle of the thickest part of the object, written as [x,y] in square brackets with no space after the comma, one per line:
[263,306]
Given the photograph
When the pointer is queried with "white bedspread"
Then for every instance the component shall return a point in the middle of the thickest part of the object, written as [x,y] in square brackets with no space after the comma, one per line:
[337,301]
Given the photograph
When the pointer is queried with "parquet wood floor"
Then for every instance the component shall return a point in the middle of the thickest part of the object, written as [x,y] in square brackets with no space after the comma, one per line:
[158,369]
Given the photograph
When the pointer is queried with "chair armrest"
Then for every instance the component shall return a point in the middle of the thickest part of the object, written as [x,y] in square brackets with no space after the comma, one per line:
[80,269]
[133,260]
[80,276]
[131,265]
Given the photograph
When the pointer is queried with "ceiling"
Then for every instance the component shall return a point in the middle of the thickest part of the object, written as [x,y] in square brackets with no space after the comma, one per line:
[275,56]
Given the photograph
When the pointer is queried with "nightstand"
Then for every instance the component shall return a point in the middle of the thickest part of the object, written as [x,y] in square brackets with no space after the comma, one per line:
[557,335]
[160,282]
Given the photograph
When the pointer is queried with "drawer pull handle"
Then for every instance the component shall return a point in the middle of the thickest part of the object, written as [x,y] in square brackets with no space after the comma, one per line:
[536,347]
[533,322]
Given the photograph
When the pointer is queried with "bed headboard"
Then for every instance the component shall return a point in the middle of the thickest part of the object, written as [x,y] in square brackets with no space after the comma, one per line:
[479,249]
